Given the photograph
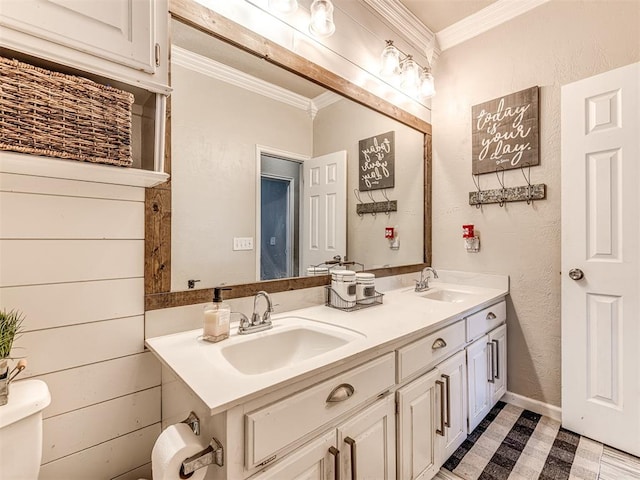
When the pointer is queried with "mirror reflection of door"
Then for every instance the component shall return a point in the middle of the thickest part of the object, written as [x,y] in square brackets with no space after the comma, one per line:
[279,214]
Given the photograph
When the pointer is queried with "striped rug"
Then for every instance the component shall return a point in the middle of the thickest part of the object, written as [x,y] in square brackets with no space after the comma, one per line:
[516,444]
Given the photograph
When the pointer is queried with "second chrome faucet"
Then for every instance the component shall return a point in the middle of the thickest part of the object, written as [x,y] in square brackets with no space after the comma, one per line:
[423,283]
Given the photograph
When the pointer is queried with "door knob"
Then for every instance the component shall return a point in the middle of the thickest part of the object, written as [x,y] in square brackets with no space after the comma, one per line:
[576,274]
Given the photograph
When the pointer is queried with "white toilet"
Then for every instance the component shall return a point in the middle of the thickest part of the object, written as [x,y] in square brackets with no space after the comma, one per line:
[21,429]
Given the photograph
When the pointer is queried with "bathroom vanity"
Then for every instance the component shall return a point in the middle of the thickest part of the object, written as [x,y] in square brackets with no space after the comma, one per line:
[382,392]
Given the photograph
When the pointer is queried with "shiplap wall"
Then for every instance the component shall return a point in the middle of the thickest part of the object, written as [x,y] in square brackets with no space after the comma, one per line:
[72,259]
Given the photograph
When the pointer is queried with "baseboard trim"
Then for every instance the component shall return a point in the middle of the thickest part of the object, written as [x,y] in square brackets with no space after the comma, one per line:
[533,405]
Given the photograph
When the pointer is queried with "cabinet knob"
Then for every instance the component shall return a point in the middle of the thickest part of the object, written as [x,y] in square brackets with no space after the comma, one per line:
[340,393]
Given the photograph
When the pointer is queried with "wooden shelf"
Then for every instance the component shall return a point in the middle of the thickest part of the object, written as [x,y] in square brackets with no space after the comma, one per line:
[23,164]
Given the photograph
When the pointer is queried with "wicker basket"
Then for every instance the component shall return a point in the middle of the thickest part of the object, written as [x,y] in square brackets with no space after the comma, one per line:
[57,115]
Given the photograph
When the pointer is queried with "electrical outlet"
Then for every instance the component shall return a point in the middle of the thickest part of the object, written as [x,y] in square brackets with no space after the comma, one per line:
[243,243]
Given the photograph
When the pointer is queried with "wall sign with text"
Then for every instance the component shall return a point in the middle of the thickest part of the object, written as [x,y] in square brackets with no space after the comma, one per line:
[504,132]
[377,161]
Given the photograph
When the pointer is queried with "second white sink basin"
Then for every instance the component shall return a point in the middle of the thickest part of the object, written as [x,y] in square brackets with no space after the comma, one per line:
[451,296]
[290,341]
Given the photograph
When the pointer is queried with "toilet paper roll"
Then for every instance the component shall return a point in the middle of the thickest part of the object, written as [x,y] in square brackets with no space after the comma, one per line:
[174,445]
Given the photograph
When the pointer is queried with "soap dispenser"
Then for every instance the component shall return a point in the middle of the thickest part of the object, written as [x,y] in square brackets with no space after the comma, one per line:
[216,318]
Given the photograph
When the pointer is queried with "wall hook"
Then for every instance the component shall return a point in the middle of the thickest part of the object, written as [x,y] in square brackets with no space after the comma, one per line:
[370,193]
[356,192]
[477,184]
[384,194]
[503,195]
[527,178]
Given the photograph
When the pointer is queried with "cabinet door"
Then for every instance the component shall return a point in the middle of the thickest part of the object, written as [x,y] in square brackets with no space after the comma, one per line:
[317,460]
[122,31]
[498,340]
[367,442]
[418,419]
[454,374]
[478,377]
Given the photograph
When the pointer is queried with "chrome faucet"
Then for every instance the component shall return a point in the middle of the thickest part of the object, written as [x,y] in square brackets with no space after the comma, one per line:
[423,283]
[258,322]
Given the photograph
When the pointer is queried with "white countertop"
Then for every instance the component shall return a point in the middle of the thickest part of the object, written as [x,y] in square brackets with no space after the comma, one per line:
[403,316]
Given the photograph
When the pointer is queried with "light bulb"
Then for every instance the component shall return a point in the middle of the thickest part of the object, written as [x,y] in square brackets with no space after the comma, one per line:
[389,61]
[427,86]
[284,6]
[322,18]
[410,77]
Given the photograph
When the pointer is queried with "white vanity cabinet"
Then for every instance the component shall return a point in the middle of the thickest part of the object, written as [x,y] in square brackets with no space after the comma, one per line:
[361,447]
[120,39]
[367,443]
[432,418]
[317,460]
[486,362]
[399,410]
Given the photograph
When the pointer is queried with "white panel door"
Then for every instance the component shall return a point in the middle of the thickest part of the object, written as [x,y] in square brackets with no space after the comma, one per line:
[478,374]
[601,238]
[367,442]
[418,419]
[453,372]
[498,340]
[119,30]
[324,222]
[314,461]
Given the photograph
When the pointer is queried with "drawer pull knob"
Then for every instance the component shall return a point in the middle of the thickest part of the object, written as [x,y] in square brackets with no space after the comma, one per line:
[340,393]
[439,343]
[491,316]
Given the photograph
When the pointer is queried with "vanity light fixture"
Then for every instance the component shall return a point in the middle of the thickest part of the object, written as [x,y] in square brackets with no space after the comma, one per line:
[390,61]
[321,24]
[284,6]
[427,85]
[399,67]
[410,76]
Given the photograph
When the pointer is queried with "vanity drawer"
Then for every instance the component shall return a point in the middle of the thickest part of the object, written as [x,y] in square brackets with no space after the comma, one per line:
[485,320]
[426,352]
[271,428]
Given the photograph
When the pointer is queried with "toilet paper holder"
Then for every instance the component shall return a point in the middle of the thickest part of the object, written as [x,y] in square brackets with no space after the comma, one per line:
[212,455]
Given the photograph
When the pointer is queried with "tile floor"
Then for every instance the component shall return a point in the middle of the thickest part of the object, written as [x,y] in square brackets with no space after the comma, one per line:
[615,465]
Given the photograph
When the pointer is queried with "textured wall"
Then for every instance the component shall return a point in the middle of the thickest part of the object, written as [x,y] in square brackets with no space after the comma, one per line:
[557,43]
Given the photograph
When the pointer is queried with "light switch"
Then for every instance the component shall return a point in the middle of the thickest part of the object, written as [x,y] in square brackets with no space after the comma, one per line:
[243,243]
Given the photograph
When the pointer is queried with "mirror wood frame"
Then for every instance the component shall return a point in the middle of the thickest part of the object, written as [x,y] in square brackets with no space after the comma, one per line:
[157,270]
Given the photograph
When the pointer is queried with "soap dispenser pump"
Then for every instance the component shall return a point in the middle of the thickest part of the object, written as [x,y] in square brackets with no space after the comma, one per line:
[216,318]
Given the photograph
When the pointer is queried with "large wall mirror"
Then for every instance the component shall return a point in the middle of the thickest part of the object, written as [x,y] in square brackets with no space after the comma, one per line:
[243,135]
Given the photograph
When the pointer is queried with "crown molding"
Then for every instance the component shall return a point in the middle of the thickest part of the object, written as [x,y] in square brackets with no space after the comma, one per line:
[325,99]
[219,71]
[495,14]
[416,33]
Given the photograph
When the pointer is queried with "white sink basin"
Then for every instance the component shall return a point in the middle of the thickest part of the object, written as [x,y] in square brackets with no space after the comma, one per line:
[451,296]
[291,341]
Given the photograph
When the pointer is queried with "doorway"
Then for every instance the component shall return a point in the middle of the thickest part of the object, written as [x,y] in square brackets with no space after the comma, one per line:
[279,217]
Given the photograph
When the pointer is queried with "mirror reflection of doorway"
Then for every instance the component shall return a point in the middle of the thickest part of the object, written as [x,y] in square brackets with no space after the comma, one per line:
[279,217]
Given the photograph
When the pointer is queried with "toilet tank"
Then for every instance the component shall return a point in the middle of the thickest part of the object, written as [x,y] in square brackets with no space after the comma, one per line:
[21,429]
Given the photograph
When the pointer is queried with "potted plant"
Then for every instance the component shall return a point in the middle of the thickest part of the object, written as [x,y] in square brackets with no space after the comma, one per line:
[10,329]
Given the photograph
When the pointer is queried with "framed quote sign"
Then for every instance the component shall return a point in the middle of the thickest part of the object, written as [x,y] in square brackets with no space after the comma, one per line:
[504,132]
[377,162]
